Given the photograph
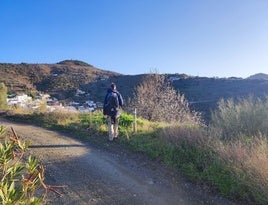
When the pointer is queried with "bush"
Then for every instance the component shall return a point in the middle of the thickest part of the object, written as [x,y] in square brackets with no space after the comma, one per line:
[93,121]
[244,119]
[189,148]
[247,162]
[3,96]
[156,100]
[242,147]
[21,180]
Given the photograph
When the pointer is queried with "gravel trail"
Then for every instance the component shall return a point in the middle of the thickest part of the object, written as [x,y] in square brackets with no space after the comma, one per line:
[97,176]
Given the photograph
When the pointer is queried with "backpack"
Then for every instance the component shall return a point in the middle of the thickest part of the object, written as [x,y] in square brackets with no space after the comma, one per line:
[111,104]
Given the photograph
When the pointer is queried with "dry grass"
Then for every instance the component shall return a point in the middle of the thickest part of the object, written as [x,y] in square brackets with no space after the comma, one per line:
[177,134]
[250,158]
[61,117]
[237,168]
[248,163]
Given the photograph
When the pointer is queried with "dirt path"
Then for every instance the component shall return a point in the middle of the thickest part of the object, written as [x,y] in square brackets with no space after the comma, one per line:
[101,177]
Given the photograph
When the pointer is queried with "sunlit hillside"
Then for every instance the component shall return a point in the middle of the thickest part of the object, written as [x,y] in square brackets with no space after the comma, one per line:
[61,79]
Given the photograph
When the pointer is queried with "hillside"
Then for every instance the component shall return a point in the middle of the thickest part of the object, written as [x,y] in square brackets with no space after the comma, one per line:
[60,80]
[204,93]
[125,83]
[258,76]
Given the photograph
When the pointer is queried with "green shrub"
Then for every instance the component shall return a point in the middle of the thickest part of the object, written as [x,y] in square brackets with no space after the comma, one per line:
[93,121]
[246,118]
[21,180]
[126,120]
[3,96]
[242,148]
[247,163]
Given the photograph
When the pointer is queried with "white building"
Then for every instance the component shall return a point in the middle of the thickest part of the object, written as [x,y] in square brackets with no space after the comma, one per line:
[80,92]
[21,100]
[173,78]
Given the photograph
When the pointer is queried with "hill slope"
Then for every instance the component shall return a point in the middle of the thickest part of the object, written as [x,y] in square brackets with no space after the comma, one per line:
[61,79]
[258,76]
[204,93]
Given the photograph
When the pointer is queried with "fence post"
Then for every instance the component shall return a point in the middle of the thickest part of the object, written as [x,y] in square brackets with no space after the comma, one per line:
[135,121]
[90,120]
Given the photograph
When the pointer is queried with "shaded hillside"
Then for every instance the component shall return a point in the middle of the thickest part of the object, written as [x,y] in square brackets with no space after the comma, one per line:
[125,84]
[61,79]
[204,93]
[258,76]
[209,89]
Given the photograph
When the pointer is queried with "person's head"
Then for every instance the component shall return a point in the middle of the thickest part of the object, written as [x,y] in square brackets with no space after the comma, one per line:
[113,86]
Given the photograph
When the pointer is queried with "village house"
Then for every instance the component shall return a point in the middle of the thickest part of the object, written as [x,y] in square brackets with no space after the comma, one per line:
[80,92]
[20,100]
[52,104]
[173,78]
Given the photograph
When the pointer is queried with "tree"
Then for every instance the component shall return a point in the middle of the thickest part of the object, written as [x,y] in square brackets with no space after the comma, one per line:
[3,96]
[156,100]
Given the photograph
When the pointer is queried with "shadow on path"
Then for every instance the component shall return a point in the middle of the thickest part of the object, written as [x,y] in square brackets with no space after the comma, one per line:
[56,146]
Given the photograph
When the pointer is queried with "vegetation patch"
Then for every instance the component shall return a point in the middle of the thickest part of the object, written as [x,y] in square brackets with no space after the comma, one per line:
[21,178]
[233,168]
[230,153]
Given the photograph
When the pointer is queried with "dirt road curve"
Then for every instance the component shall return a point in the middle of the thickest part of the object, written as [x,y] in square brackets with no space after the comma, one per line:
[97,176]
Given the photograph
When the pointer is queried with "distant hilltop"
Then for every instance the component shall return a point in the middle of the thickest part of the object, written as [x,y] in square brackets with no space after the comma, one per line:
[74,62]
[258,76]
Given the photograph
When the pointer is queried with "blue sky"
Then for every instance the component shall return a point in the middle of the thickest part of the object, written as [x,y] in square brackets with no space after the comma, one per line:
[210,38]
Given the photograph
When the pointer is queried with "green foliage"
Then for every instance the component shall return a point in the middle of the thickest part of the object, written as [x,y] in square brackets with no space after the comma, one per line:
[126,120]
[246,118]
[221,177]
[19,179]
[92,120]
[3,96]
[96,119]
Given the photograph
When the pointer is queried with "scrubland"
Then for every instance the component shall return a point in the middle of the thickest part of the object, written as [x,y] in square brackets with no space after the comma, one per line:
[229,154]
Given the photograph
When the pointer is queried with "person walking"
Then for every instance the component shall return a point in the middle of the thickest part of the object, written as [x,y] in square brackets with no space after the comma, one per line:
[111,110]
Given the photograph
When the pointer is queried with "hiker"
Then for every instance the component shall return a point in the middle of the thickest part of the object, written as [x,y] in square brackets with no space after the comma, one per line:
[111,110]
